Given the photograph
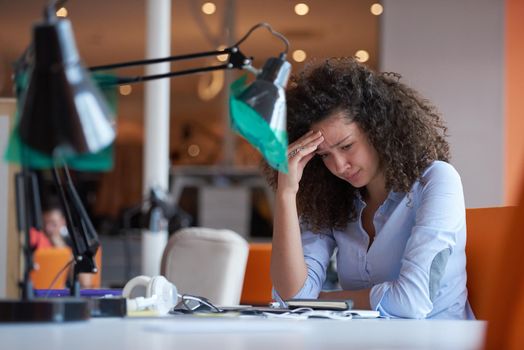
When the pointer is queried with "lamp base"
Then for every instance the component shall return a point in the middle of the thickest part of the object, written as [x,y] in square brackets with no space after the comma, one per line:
[44,310]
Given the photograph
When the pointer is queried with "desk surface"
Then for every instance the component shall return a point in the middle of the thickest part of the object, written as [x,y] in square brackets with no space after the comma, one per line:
[207,333]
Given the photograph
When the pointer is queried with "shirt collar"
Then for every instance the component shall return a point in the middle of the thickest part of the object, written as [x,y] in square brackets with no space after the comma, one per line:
[395,196]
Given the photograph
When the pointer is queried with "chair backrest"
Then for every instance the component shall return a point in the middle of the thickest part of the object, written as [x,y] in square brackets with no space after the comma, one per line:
[206,262]
[257,280]
[486,228]
[48,262]
[506,293]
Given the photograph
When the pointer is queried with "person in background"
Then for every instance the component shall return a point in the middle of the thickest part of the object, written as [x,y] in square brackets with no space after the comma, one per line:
[55,228]
[369,174]
[38,240]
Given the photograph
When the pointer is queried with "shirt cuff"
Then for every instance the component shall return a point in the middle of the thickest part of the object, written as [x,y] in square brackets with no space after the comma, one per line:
[306,292]
[376,295]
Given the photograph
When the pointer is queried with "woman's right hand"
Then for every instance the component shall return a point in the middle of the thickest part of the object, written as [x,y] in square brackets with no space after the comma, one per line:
[299,153]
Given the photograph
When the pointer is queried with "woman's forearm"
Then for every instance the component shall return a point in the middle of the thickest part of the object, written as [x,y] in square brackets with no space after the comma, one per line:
[288,269]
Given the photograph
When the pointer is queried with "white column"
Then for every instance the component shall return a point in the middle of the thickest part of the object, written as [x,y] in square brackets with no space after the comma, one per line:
[156,123]
[229,144]
[4,185]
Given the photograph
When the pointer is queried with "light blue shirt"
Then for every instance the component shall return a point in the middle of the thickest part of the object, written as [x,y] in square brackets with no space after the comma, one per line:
[416,265]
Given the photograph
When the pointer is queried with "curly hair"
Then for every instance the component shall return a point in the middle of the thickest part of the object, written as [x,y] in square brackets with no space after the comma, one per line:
[405,129]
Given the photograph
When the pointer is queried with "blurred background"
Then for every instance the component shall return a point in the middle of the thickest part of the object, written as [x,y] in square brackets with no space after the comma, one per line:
[114,31]
[463,55]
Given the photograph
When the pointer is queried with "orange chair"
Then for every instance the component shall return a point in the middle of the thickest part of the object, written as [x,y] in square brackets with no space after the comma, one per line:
[48,262]
[506,292]
[486,228]
[257,280]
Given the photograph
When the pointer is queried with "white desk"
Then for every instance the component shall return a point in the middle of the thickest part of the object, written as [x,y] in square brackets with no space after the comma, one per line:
[235,334]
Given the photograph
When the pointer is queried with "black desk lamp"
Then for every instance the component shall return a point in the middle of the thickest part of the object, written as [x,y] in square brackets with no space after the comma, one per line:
[65,115]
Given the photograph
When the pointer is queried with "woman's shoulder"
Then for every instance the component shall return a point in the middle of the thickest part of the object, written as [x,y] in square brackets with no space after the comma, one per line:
[438,178]
[440,170]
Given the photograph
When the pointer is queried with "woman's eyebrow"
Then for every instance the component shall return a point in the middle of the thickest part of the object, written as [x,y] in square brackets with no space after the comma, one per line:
[339,142]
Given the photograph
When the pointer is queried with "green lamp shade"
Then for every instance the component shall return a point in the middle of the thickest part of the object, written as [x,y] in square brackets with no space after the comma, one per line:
[62,113]
[18,152]
[258,112]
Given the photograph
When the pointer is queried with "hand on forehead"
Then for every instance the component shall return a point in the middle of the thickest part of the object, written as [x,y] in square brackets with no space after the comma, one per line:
[336,130]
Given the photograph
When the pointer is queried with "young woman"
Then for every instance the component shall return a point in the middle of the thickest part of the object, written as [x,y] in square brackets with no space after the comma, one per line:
[369,174]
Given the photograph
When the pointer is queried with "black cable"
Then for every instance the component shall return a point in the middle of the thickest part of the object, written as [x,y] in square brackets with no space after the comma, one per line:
[274,32]
[160,60]
[58,276]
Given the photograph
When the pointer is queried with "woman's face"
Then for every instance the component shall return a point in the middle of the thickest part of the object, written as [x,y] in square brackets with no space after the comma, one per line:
[347,151]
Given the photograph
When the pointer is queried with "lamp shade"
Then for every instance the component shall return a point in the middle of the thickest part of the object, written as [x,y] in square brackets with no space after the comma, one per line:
[63,111]
[258,112]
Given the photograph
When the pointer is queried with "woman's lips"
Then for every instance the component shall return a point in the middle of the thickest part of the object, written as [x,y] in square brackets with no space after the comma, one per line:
[352,176]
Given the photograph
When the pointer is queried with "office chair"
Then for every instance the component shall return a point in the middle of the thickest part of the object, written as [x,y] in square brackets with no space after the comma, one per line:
[257,280]
[206,262]
[505,295]
[48,262]
[486,229]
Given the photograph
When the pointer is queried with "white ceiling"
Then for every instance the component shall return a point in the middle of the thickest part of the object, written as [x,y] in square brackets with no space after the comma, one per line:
[113,30]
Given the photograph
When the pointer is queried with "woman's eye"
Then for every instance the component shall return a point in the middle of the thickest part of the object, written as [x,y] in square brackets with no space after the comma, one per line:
[322,156]
[346,147]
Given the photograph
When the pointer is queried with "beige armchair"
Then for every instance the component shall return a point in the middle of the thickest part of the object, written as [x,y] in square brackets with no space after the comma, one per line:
[206,262]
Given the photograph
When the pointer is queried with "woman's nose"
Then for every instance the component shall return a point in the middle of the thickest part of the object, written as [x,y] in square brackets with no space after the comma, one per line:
[341,164]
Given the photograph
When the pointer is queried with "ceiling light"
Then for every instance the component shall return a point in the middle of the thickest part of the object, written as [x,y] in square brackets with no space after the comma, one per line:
[209,85]
[224,57]
[301,9]
[377,9]
[193,150]
[299,55]
[61,12]
[362,55]
[209,8]
[125,90]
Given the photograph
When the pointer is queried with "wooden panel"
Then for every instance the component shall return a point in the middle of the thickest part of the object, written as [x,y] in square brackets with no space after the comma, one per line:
[514,79]
[8,232]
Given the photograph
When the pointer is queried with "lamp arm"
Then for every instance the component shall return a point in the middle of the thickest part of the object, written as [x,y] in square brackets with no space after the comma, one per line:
[160,60]
[142,78]
[271,30]
[84,238]
[236,60]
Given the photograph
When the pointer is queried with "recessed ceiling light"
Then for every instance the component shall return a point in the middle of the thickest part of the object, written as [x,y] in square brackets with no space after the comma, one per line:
[210,85]
[222,58]
[209,8]
[61,12]
[301,9]
[377,9]
[125,90]
[362,55]
[193,150]
[299,55]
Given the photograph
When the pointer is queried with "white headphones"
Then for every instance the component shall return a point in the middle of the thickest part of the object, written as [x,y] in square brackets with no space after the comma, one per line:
[150,293]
